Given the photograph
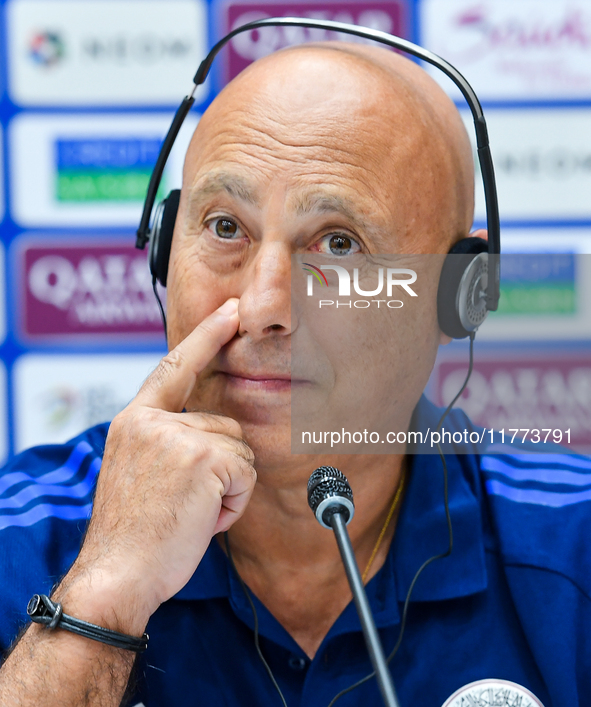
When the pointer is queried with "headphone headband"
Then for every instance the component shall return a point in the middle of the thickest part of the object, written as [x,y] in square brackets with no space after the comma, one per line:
[482,144]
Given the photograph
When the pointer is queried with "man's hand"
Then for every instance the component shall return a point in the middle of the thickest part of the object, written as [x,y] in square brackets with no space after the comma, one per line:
[168,482]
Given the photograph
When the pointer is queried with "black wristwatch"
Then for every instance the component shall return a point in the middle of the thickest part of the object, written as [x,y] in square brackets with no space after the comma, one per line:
[42,610]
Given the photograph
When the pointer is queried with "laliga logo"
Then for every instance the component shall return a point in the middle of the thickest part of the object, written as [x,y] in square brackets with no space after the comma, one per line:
[392,280]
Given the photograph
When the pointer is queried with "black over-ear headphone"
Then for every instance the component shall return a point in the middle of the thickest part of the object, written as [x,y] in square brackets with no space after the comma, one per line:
[470,279]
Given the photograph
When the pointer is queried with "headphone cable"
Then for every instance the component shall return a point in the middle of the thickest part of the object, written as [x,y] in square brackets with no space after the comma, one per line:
[255,619]
[160,306]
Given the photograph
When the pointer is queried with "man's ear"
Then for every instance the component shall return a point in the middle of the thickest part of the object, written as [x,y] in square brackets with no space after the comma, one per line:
[444,339]
[480,233]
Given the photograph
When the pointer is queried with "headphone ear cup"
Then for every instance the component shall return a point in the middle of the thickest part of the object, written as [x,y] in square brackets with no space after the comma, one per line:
[461,306]
[161,236]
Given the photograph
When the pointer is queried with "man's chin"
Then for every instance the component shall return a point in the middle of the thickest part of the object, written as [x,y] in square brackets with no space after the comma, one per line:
[271,444]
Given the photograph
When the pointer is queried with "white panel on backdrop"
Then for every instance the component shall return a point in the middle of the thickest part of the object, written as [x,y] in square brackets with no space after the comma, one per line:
[89,170]
[513,49]
[542,159]
[58,396]
[104,52]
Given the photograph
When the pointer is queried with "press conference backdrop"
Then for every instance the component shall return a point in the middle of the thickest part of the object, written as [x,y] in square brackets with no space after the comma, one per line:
[87,90]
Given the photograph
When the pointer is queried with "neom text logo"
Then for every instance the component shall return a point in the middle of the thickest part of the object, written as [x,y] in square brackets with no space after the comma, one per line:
[390,280]
[47,48]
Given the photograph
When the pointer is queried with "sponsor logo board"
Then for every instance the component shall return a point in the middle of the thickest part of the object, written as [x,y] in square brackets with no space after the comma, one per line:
[104,52]
[86,289]
[89,170]
[59,396]
[385,15]
[104,169]
[524,391]
[538,284]
[542,160]
[531,49]
[545,287]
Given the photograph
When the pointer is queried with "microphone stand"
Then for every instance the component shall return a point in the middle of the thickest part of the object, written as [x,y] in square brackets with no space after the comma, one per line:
[370,632]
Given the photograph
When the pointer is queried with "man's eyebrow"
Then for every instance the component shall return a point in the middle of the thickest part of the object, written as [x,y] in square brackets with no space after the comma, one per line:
[232,184]
[321,202]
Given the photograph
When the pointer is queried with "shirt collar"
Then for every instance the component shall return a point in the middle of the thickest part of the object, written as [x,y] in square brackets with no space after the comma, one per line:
[421,532]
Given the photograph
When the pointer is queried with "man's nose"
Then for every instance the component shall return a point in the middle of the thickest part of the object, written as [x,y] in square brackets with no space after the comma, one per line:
[265,303]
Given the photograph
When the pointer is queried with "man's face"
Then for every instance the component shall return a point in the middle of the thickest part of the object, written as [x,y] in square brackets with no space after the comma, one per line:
[308,155]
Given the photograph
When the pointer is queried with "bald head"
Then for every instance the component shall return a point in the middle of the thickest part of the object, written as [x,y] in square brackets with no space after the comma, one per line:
[360,106]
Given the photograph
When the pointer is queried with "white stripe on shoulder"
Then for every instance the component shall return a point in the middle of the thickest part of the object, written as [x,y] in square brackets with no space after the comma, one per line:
[510,452]
[549,474]
[536,497]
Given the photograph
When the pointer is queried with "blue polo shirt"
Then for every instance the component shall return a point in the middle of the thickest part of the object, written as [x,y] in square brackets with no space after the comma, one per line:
[513,601]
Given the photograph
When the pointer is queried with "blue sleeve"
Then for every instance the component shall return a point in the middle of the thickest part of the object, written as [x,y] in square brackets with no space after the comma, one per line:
[45,502]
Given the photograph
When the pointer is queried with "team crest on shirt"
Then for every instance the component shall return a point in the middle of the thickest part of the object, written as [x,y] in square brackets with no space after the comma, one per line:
[493,693]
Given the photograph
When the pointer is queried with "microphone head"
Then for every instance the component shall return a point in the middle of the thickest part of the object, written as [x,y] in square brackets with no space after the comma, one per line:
[329,493]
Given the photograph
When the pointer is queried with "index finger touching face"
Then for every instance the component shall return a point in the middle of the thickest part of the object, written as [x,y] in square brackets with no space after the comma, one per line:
[168,387]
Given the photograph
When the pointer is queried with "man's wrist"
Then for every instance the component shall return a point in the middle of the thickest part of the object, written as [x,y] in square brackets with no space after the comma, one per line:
[101,599]
[42,610]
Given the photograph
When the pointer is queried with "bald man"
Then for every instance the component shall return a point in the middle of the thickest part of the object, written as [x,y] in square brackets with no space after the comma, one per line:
[330,150]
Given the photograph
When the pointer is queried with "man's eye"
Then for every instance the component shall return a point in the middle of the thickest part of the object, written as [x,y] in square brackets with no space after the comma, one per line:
[224,227]
[338,244]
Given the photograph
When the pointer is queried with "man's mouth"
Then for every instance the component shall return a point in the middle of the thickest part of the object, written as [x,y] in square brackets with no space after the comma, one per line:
[263,381]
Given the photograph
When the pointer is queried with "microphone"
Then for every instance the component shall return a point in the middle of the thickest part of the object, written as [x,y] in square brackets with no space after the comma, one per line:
[331,500]
[329,493]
